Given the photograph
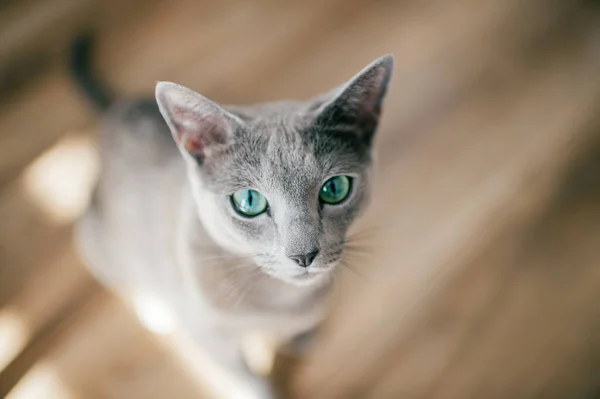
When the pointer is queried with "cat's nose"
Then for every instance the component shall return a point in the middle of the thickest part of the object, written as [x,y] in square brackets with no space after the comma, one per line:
[304,260]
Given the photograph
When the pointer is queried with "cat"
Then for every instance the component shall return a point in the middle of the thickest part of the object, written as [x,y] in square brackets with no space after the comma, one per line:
[233,217]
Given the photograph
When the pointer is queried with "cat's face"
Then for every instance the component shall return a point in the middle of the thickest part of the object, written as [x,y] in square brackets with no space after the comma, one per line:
[285,192]
[281,182]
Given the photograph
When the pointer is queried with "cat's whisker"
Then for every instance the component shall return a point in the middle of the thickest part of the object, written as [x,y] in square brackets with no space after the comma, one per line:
[368,231]
[358,248]
[235,269]
[233,293]
[365,234]
[357,255]
[356,240]
[231,286]
[334,277]
[249,284]
[327,139]
[347,266]
[229,257]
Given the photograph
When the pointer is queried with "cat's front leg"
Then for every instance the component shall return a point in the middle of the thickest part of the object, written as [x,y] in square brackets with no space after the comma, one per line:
[228,371]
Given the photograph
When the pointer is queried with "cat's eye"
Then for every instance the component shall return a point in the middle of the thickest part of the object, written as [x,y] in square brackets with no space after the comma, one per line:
[335,190]
[248,203]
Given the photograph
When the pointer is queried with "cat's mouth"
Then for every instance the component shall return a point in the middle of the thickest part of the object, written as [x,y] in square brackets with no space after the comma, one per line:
[308,277]
[314,274]
[321,270]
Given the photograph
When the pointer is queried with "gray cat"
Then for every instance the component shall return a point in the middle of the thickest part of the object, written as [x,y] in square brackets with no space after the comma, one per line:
[233,217]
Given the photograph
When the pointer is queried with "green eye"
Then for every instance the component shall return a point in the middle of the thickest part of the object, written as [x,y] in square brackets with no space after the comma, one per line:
[248,202]
[335,190]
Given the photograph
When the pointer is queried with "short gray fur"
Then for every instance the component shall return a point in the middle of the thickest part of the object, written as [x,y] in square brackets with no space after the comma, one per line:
[161,222]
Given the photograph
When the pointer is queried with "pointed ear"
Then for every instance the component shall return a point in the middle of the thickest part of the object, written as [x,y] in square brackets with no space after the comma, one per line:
[199,126]
[356,105]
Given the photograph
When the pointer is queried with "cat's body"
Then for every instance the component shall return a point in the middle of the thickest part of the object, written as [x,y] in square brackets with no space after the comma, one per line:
[142,213]
[141,237]
[160,223]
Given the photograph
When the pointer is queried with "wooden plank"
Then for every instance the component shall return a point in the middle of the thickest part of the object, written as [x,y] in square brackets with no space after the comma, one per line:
[481,143]
[536,332]
[27,126]
[38,294]
[157,38]
[226,42]
[31,35]
[25,22]
[428,41]
[90,341]
[497,183]
[34,34]
[209,63]
[61,321]
[266,54]
[109,355]
[53,285]
[29,241]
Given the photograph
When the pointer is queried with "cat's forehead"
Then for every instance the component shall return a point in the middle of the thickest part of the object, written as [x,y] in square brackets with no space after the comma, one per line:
[286,151]
[272,111]
[278,152]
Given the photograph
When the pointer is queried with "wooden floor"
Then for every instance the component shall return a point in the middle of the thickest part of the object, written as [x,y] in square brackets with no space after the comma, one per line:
[481,273]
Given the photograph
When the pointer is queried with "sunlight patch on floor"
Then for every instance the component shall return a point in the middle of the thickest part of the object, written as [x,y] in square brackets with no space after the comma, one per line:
[60,180]
[13,336]
[40,382]
[153,314]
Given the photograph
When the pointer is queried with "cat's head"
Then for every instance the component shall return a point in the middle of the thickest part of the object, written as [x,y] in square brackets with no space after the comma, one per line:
[281,182]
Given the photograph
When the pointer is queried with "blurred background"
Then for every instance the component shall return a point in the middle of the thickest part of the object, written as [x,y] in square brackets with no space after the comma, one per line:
[480,276]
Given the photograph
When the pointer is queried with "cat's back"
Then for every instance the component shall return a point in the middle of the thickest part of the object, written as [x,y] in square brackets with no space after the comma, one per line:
[133,134]
[134,203]
[141,170]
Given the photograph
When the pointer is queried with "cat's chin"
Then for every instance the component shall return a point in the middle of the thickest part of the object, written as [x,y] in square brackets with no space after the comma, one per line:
[306,279]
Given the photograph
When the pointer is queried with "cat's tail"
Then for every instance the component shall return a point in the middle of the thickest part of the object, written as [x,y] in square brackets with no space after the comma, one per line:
[80,69]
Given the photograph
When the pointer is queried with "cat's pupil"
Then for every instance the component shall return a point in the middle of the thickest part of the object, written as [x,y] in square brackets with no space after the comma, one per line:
[333,188]
[249,202]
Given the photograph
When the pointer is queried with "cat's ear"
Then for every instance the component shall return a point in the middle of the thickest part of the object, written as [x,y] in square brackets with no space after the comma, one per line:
[199,126]
[356,105]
